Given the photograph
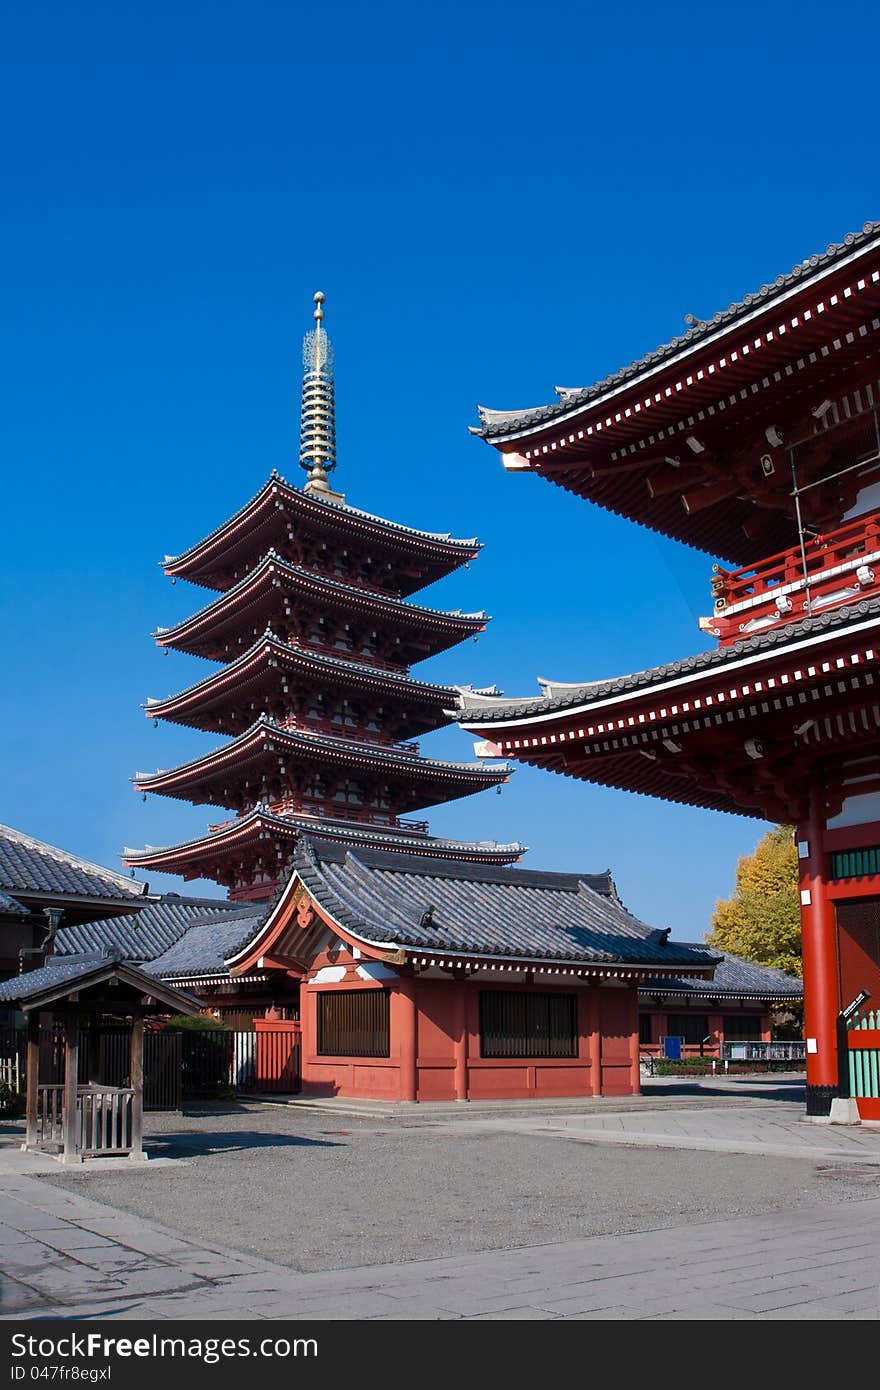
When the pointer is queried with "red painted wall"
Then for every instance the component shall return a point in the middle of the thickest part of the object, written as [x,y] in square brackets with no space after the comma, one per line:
[435,1046]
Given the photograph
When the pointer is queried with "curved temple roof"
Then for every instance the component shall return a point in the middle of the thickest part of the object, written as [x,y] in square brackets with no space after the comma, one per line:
[292,827]
[417,905]
[441,552]
[510,424]
[265,738]
[331,671]
[475,710]
[436,627]
[32,869]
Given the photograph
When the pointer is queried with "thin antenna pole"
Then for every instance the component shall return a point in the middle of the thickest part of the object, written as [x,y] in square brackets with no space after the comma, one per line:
[796,494]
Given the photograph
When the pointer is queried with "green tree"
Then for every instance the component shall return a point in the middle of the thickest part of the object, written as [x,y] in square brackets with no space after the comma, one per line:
[762,919]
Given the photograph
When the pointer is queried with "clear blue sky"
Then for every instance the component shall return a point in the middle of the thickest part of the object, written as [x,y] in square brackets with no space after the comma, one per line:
[495,198]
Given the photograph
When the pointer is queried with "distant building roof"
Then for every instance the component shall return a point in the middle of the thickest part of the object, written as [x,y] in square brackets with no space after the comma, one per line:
[204,948]
[734,978]
[157,927]
[9,907]
[36,873]
[55,981]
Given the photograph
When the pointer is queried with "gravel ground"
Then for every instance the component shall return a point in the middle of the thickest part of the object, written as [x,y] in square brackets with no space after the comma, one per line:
[317,1191]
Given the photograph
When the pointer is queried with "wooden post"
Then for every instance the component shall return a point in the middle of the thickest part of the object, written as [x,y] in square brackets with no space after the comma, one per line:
[33,1079]
[821,998]
[71,1152]
[136,1067]
[594,1045]
[460,1039]
[96,1069]
[405,1016]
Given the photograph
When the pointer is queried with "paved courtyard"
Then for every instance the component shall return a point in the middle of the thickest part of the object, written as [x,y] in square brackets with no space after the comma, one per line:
[720,1203]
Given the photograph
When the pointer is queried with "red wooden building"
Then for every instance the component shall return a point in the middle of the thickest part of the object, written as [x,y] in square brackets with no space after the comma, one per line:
[311,640]
[423,979]
[754,436]
[743,1002]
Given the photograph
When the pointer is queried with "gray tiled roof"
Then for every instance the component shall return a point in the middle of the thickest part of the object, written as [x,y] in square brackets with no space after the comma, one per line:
[55,973]
[84,969]
[205,947]
[561,697]
[515,913]
[497,423]
[10,908]
[30,866]
[734,977]
[144,937]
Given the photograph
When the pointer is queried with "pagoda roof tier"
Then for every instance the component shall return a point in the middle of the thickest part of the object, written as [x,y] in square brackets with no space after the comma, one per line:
[263,597]
[235,695]
[404,560]
[738,728]
[227,776]
[265,836]
[696,439]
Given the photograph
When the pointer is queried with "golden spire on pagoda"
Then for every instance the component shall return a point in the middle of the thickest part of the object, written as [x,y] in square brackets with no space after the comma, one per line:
[317,450]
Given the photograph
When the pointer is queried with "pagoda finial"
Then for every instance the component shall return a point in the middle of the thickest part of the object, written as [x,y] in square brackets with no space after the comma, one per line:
[317,452]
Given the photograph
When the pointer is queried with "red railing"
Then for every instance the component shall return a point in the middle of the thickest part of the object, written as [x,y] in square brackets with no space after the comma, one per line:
[357,815]
[841,567]
[349,654]
[299,725]
[354,815]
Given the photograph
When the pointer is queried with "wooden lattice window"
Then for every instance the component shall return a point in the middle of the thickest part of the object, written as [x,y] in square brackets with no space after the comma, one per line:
[515,1023]
[353,1023]
[694,1028]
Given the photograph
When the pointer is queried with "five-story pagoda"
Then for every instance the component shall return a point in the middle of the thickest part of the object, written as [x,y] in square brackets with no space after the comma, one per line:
[314,692]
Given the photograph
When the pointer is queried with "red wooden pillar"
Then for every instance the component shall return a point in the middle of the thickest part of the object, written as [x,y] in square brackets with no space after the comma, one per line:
[460,1041]
[821,1004]
[594,1041]
[635,1067]
[405,1018]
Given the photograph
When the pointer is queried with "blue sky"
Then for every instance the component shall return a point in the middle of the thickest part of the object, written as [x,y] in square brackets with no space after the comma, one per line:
[495,198]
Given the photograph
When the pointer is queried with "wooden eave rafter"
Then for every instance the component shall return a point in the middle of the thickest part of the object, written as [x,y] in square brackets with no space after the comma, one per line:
[594,452]
[772,332]
[650,739]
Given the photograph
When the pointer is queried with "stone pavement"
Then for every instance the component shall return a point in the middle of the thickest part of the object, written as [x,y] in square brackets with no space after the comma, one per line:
[64,1255]
[67,1256]
[777,1130]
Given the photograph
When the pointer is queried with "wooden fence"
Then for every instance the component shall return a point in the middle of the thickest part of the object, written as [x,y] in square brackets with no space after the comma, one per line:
[179,1064]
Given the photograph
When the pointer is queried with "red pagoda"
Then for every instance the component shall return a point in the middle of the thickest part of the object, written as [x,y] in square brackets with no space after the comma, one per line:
[315,642]
[755,436]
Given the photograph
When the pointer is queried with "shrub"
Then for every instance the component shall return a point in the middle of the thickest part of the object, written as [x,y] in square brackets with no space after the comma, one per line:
[11,1103]
[702,1066]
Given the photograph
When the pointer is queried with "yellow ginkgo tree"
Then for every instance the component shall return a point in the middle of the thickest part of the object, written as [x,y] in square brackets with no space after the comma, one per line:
[761,921]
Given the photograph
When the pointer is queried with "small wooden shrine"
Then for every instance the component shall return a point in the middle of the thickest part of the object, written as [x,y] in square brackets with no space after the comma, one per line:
[76,1120]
